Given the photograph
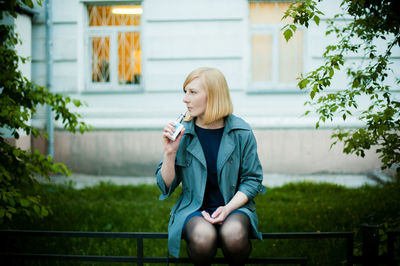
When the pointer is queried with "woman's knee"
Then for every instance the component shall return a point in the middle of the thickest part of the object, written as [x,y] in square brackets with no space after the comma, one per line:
[202,237]
[234,238]
[234,234]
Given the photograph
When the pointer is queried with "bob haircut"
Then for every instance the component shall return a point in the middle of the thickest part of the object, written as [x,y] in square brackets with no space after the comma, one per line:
[219,104]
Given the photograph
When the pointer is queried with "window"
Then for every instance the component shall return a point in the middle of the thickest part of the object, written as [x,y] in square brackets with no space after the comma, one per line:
[275,63]
[114,47]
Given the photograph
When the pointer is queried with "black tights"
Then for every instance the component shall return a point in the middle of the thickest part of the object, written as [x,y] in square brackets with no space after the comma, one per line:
[203,238]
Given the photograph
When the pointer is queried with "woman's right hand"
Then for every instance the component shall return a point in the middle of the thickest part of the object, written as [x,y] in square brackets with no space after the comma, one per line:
[169,145]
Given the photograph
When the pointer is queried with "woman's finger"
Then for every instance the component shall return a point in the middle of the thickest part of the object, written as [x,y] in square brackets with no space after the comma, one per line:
[207,217]
[217,212]
[166,134]
[205,214]
[169,129]
[220,218]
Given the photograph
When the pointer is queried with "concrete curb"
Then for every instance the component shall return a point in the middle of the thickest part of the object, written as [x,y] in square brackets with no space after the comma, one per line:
[80,181]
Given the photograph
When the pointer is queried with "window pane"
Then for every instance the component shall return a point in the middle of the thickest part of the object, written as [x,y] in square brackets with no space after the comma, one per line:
[122,44]
[100,59]
[261,57]
[104,16]
[290,57]
[129,58]
[268,13]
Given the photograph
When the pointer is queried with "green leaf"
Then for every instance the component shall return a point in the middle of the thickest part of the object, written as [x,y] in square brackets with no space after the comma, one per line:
[77,103]
[16,152]
[11,201]
[312,94]
[24,202]
[316,19]
[331,72]
[356,83]
[45,212]
[36,208]
[288,34]
[11,209]
[303,83]
[29,3]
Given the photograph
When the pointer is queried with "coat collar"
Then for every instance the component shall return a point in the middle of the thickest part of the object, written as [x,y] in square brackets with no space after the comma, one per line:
[232,122]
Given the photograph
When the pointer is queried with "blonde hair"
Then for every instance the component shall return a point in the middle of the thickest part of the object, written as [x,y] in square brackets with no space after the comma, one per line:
[219,104]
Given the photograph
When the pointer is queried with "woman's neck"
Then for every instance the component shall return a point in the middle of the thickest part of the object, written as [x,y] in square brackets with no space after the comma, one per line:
[220,123]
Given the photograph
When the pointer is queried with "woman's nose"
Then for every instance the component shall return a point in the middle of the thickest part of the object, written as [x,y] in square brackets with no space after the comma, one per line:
[185,99]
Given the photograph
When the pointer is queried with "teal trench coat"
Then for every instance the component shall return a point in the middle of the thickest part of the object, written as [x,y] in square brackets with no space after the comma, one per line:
[238,169]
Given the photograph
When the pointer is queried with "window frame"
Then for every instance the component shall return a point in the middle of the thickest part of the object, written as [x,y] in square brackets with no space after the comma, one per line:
[112,32]
[273,29]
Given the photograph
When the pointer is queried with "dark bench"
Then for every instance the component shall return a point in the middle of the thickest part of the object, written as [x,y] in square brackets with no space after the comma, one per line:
[140,258]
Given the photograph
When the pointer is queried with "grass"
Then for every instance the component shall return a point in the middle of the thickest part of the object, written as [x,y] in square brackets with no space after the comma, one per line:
[301,207]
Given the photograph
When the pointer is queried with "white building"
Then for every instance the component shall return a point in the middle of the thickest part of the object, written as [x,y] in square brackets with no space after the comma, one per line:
[129,69]
[23,26]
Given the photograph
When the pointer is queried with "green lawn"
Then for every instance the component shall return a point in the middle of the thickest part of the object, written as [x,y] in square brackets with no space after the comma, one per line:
[301,207]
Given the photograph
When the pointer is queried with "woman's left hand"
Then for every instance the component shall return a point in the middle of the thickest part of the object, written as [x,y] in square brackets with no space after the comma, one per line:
[218,216]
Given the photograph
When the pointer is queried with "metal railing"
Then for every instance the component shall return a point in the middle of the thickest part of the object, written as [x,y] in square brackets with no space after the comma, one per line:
[391,238]
[140,258]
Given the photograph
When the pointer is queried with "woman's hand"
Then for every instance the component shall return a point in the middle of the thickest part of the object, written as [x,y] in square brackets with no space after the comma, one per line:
[222,212]
[169,145]
[217,217]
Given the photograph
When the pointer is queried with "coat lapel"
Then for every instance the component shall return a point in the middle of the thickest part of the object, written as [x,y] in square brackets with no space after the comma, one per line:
[194,146]
[195,149]
[226,149]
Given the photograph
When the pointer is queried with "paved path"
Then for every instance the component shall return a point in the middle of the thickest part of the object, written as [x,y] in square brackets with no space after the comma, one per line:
[270,180]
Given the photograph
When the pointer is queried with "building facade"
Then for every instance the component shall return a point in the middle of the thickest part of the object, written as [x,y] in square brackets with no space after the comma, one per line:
[129,69]
[22,24]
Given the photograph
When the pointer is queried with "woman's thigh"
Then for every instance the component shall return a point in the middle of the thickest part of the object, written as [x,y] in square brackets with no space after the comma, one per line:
[198,228]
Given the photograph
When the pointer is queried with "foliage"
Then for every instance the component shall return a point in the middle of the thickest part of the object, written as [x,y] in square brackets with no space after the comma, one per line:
[19,99]
[359,29]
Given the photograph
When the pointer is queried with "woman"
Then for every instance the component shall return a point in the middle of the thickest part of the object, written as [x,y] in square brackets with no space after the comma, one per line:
[215,158]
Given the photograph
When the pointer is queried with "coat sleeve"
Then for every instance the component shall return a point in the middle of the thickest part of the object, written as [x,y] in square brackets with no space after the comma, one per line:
[251,173]
[160,183]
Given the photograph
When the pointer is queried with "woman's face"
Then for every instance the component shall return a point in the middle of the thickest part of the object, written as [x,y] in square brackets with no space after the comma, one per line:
[195,98]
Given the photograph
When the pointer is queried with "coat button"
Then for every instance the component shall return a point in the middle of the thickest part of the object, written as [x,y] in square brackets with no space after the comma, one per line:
[230,160]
